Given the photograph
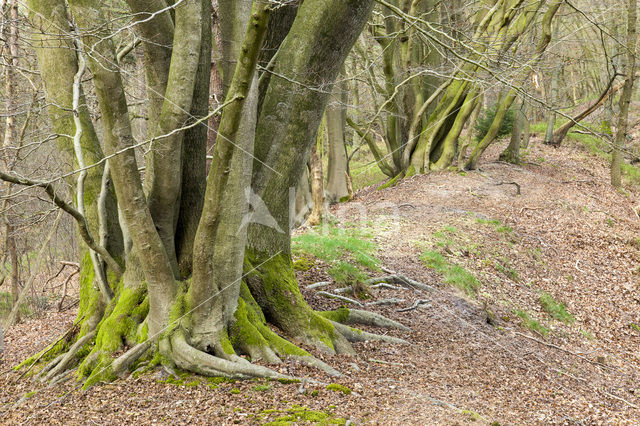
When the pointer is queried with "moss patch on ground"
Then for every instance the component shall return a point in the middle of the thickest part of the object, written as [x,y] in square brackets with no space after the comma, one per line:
[301,415]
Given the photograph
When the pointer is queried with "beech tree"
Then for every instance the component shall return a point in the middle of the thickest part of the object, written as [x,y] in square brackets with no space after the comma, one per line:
[182,267]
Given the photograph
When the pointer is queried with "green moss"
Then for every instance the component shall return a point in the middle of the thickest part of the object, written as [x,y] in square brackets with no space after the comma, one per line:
[391,182]
[298,415]
[452,273]
[340,315]
[30,394]
[143,332]
[120,327]
[303,264]
[288,381]
[315,393]
[556,309]
[339,388]
[262,388]
[286,303]
[235,391]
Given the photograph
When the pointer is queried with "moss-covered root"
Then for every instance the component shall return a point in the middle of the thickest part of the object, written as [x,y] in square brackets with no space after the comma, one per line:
[69,359]
[274,287]
[189,358]
[359,317]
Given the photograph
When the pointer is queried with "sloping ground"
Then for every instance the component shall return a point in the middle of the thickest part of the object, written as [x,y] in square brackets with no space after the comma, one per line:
[485,351]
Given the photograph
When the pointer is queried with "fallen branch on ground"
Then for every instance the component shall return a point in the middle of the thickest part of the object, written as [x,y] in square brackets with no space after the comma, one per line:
[385,302]
[416,304]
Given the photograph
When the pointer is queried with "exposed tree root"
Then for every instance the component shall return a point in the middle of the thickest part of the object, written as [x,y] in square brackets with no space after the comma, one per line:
[357,316]
[124,362]
[338,297]
[70,359]
[400,280]
[415,305]
[248,333]
[191,359]
[355,335]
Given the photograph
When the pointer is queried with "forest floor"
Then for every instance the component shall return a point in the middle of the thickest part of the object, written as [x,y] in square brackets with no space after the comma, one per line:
[535,316]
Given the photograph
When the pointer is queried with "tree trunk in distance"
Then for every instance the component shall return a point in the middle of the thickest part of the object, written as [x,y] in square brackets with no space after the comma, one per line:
[317,186]
[625,98]
[551,115]
[512,153]
[337,169]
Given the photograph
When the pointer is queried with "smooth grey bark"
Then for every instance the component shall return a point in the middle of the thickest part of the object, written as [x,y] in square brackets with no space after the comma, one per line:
[154,261]
[58,64]
[303,201]
[312,55]
[627,93]
[163,179]
[337,189]
[194,154]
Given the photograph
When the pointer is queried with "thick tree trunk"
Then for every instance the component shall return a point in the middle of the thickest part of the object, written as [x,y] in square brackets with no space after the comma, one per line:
[312,57]
[203,323]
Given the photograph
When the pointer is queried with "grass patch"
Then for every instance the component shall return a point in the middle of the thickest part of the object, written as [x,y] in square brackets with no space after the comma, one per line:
[556,309]
[497,225]
[530,323]
[453,274]
[348,251]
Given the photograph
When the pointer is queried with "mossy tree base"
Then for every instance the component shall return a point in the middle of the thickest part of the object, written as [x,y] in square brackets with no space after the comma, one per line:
[120,343]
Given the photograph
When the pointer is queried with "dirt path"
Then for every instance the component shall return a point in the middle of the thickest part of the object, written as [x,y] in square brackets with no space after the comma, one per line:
[471,358]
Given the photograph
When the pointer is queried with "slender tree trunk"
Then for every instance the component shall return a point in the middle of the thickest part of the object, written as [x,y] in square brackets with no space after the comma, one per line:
[627,92]
[11,133]
[317,185]
[553,99]
[337,169]
[512,153]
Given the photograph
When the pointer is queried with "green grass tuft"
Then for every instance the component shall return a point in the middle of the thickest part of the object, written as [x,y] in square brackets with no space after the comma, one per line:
[348,251]
[452,273]
[556,309]
[531,323]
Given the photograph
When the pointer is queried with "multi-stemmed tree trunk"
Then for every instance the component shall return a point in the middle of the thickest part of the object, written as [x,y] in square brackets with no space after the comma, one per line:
[209,260]
[433,124]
